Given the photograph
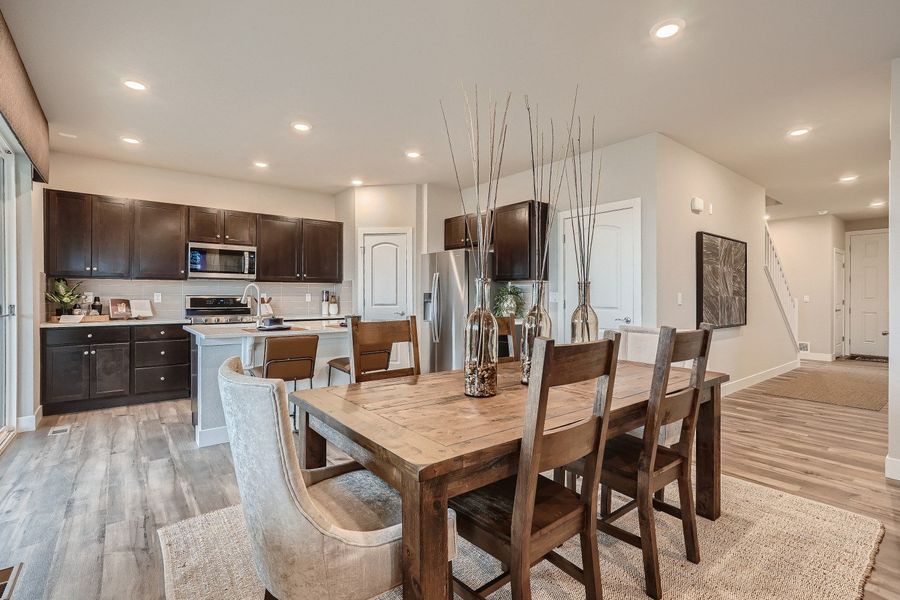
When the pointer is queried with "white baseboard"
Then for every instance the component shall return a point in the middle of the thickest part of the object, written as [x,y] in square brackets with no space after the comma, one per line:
[892,467]
[745,382]
[32,422]
[821,356]
[211,437]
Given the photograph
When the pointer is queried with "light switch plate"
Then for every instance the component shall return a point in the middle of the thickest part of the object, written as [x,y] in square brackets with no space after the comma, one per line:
[697,205]
[710,208]
[679,299]
[309,297]
[157,297]
[806,298]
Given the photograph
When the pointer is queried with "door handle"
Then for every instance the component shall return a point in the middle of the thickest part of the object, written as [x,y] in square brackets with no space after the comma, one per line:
[436,308]
[626,320]
[884,332]
[402,313]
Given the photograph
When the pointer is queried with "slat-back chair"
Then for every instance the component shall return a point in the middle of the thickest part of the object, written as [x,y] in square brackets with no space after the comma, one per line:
[522,519]
[506,327]
[640,467]
[366,335]
[289,358]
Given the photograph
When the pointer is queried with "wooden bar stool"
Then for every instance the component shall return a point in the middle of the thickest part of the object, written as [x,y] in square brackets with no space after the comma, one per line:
[506,327]
[367,336]
[289,358]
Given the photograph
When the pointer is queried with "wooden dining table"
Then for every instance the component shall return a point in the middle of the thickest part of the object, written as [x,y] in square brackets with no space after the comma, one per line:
[429,441]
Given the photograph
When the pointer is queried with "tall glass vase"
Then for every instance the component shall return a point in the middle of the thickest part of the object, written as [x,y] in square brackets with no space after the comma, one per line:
[585,326]
[481,345]
[536,324]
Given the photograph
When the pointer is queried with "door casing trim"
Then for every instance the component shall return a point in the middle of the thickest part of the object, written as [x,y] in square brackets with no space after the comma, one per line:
[848,235]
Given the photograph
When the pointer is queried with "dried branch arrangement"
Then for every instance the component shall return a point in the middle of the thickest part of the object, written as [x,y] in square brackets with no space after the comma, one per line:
[485,192]
[584,196]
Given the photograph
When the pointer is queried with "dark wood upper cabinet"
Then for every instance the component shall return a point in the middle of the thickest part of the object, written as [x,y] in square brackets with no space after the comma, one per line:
[205,224]
[240,228]
[111,237]
[277,248]
[455,233]
[515,240]
[160,240]
[67,234]
[322,251]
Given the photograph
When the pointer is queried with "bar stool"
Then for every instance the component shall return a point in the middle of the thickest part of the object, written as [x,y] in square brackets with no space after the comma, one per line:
[289,358]
[373,358]
[506,327]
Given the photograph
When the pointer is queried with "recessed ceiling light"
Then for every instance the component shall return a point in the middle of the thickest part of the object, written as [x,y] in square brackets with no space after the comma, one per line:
[67,135]
[877,203]
[667,29]
[134,85]
[130,140]
[799,132]
[356,182]
[848,178]
[822,212]
[413,154]
[300,126]
[261,164]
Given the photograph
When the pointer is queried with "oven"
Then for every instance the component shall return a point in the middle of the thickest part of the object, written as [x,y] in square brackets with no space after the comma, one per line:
[221,261]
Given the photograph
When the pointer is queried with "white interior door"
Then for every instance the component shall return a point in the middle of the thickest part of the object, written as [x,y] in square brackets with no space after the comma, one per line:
[839,303]
[869,294]
[387,282]
[614,271]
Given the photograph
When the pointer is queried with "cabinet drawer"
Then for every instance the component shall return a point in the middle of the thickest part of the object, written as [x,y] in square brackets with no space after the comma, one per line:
[162,379]
[162,353]
[173,331]
[89,335]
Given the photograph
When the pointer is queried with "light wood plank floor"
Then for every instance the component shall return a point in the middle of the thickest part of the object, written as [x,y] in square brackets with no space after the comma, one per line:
[81,510]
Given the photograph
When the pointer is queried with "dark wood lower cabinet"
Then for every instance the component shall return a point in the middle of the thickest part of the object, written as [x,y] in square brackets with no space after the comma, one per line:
[85,367]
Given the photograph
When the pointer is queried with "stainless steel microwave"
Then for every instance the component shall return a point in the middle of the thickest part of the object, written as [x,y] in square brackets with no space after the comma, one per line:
[221,261]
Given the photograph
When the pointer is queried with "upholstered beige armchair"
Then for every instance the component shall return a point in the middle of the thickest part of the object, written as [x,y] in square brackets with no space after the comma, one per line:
[330,533]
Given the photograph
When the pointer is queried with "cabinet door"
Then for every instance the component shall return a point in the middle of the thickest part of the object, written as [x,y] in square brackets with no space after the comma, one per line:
[205,225]
[472,231]
[160,240]
[110,370]
[322,255]
[455,233]
[240,228]
[111,237]
[67,234]
[67,373]
[512,235]
[277,248]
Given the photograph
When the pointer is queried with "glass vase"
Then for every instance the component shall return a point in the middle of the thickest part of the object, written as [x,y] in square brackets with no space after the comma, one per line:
[585,326]
[481,345]
[536,324]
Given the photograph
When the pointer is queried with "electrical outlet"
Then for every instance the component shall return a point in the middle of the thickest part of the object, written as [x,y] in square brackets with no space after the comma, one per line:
[309,297]
[157,297]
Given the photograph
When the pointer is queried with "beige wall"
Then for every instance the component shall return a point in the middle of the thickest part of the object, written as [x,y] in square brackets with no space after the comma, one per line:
[763,345]
[864,224]
[892,465]
[806,249]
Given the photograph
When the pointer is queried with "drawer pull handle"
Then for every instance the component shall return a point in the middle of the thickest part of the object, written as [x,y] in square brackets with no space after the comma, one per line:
[162,378]
[85,352]
[87,268]
[163,332]
[90,335]
[162,352]
[94,269]
[93,352]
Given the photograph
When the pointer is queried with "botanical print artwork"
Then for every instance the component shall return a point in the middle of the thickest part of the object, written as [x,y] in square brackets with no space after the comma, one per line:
[722,281]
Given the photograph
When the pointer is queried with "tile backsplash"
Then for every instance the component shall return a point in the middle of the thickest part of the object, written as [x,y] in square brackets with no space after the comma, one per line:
[288,299]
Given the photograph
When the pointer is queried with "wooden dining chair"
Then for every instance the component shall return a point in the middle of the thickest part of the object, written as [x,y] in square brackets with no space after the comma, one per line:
[641,467]
[367,337]
[377,358]
[506,327]
[521,520]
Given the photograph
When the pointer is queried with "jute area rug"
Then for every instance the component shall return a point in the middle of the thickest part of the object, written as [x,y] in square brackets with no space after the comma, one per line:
[853,384]
[767,544]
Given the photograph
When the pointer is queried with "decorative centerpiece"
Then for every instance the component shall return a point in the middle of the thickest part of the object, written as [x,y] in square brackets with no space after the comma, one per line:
[546,178]
[480,361]
[584,196]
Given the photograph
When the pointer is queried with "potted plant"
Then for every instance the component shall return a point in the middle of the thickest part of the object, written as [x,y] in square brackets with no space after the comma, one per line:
[64,295]
[509,301]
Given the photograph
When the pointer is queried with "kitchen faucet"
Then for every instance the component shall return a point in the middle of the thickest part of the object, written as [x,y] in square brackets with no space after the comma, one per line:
[245,298]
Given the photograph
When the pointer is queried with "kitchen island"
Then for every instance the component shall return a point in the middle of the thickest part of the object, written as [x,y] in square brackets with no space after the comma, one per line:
[211,345]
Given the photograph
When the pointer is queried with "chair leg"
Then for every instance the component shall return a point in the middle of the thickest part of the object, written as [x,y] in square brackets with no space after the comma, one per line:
[559,475]
[590,561]
[571,480]
[689,518]
[605,500]
[520,577]
[450,580]
[660,495]
[269,596]
[330,369]
[647,523]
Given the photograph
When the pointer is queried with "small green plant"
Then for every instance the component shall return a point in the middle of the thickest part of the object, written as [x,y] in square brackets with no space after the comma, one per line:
[63,294]
[508,301]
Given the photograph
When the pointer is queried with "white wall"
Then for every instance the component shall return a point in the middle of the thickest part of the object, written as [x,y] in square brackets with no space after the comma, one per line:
[892,464]
[806,249]
[763,346]
[864,224]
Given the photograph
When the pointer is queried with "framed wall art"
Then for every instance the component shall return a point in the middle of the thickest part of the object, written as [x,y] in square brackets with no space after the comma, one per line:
[721,280]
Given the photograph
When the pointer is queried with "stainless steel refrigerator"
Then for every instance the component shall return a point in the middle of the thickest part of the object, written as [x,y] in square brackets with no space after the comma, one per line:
[447,302]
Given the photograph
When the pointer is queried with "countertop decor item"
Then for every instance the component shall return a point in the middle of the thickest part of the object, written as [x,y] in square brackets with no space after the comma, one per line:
[480,362]
[584,196]
[63,295]
[509,301]
[546,178]
[119,308]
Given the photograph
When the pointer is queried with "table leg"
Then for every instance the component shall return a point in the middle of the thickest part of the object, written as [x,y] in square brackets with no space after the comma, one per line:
[312,454]
[709,456]
[424,558]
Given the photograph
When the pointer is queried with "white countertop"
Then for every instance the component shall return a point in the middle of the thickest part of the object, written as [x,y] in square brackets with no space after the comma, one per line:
[117,323]
[247,330]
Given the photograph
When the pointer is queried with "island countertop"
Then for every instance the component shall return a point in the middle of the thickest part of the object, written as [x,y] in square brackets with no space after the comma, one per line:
[248,330]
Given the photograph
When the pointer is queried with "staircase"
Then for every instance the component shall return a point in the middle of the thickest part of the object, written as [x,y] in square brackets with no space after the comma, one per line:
[778,281]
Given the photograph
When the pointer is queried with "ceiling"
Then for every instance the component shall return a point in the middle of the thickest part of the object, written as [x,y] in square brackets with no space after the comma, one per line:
[227,78]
